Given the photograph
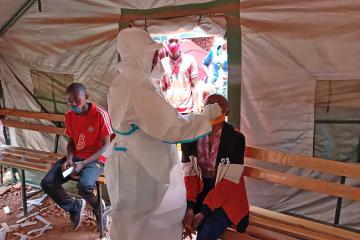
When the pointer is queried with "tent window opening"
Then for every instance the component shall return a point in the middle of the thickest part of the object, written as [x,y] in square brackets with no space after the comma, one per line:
[49,89]
[203,64]
[337,120]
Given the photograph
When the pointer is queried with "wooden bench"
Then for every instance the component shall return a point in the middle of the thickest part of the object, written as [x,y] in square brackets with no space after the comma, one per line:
[270,225]
[30,159]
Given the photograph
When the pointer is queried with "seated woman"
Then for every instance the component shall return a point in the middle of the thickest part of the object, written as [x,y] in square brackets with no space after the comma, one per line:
[215,188]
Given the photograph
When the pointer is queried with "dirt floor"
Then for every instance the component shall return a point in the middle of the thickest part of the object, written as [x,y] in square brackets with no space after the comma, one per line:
[10,195]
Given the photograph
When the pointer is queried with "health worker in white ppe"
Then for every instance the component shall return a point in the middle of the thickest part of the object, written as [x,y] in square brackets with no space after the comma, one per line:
[143,173]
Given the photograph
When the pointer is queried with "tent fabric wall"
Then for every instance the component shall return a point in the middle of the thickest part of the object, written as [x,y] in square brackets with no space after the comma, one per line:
[286,47]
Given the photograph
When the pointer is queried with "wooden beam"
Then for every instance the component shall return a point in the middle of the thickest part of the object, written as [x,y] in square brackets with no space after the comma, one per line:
[209,8]
[313,185]
[30,114]
[322,165]
[303,223]
[33,127]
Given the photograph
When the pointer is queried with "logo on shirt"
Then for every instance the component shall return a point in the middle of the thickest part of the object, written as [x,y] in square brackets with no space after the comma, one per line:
[81,142]
[91,129]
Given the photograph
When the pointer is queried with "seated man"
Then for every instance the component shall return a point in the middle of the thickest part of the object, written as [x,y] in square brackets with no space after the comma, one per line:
[215,188]
[89,129]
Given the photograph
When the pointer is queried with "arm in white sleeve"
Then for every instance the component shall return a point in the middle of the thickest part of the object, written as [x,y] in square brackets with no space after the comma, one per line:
[159,119]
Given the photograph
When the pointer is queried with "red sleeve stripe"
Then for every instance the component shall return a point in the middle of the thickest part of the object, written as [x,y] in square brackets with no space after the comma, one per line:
[106,118]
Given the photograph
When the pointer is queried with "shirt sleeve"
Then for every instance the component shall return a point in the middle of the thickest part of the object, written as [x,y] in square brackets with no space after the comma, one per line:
[105,124]
[163,122]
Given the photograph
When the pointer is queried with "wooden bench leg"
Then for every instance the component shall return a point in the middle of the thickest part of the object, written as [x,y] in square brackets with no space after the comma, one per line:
[338,204]
[23,191]
[2,175]
[99,194]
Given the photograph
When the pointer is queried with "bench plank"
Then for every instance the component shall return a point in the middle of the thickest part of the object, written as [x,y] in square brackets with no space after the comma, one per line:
[266,234]
[326,166]
[309,184]
[291,230]
[28,155]
[33,126]
[30,114]
[303,223]
[28,151]
[231,234]
[26,158]
[24,165]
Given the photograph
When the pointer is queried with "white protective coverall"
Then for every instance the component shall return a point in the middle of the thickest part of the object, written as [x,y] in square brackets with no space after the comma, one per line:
[143,173]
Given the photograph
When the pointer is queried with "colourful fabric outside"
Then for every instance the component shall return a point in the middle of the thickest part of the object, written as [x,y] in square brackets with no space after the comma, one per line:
[217,57]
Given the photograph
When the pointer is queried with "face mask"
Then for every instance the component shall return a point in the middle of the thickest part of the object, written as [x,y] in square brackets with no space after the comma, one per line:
[218,120]
[76,109]
[174,48]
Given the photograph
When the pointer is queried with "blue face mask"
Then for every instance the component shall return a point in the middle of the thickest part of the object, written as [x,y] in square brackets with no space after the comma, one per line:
[76,109]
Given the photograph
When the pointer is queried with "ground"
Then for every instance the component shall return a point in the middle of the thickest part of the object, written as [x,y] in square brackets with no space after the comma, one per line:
[10,195]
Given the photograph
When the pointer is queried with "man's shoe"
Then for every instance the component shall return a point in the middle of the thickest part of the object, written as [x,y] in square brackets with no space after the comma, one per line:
[77,214]
[106,219]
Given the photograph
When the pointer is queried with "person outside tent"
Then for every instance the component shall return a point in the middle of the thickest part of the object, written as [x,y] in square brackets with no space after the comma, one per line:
[88,128]
[215,64]
[212,166]
[143,173]
[179,83]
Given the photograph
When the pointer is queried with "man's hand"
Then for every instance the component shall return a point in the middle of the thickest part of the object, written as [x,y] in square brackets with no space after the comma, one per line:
[78,166]
[68,163]
[197,221]
[186,234]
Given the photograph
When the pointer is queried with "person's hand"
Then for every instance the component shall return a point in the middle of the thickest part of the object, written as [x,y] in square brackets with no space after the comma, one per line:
[68,163]
[212,111]
[197,221]
[78,166]
[186,234]
[187,223]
